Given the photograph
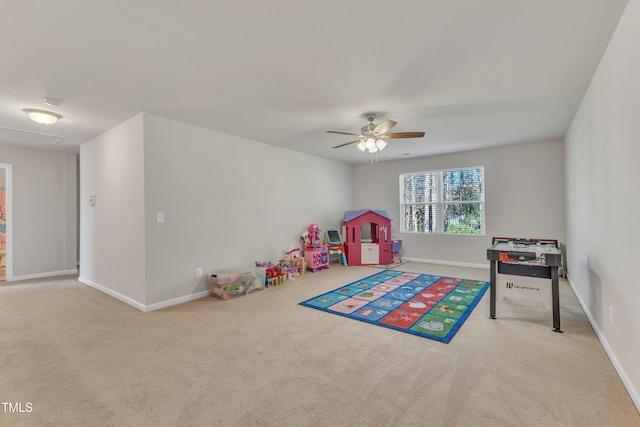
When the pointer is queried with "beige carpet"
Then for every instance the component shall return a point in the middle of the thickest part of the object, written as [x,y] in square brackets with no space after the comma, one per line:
[393,265]
[82,358]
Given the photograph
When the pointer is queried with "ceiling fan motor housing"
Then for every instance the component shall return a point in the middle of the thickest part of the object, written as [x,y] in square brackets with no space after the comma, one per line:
[370,116]
[368,129]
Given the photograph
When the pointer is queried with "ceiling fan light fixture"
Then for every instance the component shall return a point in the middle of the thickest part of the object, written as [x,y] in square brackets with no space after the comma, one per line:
[43,117]
[372,137]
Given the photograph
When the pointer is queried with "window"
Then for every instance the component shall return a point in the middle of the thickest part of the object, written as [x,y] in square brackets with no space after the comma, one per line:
[443,202]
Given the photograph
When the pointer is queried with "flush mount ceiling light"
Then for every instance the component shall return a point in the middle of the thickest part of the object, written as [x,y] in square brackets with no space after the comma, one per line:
[42,116]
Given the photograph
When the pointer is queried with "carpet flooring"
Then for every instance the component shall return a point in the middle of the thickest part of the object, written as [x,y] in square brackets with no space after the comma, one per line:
[83,358]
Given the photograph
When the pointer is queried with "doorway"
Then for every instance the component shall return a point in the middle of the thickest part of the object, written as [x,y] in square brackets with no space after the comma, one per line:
[6,180]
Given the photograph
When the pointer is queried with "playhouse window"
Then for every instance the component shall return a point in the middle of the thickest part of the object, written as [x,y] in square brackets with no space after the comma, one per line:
[447,201]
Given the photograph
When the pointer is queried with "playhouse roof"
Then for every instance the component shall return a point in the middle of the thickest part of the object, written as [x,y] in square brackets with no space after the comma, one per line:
[349,215]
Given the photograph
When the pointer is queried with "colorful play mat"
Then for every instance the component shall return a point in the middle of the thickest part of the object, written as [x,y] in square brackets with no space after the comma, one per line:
[420,304]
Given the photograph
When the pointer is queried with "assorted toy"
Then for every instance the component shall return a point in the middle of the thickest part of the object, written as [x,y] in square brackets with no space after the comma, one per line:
[288,268]
[314,235]
[396,245]
[336,245]
[316,253]
[295,263]
[353,250]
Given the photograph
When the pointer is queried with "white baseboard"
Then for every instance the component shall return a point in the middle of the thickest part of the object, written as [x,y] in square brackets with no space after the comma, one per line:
[42,275]
[442,262]
[607,348]
[176,301]
[139,305]
[110,292]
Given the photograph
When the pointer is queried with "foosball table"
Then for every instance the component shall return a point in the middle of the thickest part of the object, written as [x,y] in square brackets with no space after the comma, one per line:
[525,269]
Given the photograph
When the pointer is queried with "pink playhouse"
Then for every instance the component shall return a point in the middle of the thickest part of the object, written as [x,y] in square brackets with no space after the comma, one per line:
[367,237]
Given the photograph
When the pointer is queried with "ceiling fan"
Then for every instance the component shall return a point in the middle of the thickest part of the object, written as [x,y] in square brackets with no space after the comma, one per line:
[372,136]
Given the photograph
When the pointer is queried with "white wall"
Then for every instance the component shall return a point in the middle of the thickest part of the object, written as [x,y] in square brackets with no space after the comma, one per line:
[44,211]
[112,232]
[524,194]
[228,202]
[603,235]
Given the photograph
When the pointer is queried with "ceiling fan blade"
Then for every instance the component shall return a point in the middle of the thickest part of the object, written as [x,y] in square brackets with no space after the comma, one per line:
[403,135]
[343,133]
[384,127]
[347,143]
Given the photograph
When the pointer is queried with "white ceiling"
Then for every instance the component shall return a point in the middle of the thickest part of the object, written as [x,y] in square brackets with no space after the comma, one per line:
[469,73]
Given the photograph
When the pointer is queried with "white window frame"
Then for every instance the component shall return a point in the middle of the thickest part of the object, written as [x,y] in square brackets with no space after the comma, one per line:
[440,204]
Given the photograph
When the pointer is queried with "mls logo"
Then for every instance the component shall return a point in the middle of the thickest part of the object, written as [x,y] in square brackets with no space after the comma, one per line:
[17,407]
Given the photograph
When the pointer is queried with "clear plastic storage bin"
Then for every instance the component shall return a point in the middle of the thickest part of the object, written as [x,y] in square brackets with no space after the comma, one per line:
[235,283]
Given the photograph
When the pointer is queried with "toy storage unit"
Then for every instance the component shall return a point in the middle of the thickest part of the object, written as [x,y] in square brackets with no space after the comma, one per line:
[235,283]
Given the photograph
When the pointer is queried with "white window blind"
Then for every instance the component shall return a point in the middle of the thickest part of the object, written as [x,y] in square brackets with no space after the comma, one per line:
[444,202]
